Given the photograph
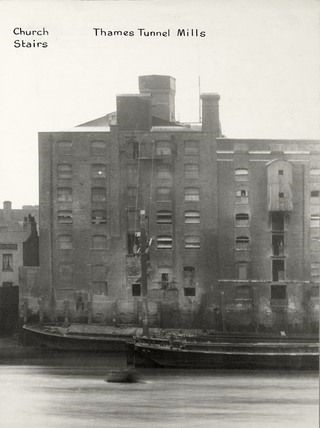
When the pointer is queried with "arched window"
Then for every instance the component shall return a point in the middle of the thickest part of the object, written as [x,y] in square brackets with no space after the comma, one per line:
[191,148]
[191,217]
[164,242]
[64,170]
[241,174]
[98,148]
[164,217]
[191,194]
[64,147]
[65,217]
[242,243]
[192,242]
[98,217]
[98,170]
[191,170]
[242,219]
[64,194]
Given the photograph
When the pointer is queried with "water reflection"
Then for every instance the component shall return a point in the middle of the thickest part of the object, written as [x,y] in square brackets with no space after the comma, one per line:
[73,394]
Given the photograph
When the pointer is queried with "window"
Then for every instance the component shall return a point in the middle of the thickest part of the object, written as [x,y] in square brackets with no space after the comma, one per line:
[315,269]
[133,243]
[98,217]
[164,280]
[277,244]
[280,172]
[65,217]
[133,148]
[98,148]
[242,243]
[315,220]
[314,291]
[163,148]
[164,242]
[7,262]
[98,194]
[315,171]
[281,195]
[65,147]
[277,221]
[241,174]
[244,292]
[64,194]
[242,196]
[65,273]
[192,242]
[191,170]
[191,217]
[188,276]
[189,291]
[65,242]
[242,219]
[163,194]
[100,288]
[191,194]
[278,270]
[99,242]
[64,170]
[98,171]
[242,270]
[164,172]
[278,292]
[164,217]
[315,193]
[136,289]
[191,148]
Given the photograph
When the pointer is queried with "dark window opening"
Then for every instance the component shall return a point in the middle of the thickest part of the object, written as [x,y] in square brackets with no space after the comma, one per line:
[136,289]
[277,244]
[189,291]
[244,292]
[277,270]
[315,193]
[281,195]
[280,172]
[133,243]
[65,217]
[7,262]
[277,221]
[188,276]
[278,292]
[242,243]
[164,217]
[165,280]
[242,219]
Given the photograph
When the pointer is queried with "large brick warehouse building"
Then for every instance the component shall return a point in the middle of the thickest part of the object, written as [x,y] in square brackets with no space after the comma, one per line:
[233,225]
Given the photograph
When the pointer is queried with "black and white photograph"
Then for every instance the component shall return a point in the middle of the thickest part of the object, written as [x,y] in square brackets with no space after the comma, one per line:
[159,213]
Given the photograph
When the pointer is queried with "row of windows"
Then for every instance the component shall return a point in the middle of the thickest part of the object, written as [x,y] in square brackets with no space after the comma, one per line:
[97,170]
[98,242]
[97,147]
[164,148]
[98,194]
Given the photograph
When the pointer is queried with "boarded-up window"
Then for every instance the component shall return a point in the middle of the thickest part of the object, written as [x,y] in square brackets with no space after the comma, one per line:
[242,270]
[64,170]
[65,242]
[163,194]
[99,242]
[278,292]
[244,292]
[188,276]
[64,194]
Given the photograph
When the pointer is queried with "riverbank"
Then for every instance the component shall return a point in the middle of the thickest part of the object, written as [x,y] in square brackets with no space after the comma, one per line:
[12,350]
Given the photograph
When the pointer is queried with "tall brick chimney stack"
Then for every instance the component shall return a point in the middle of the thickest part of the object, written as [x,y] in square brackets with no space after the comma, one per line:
[210,113]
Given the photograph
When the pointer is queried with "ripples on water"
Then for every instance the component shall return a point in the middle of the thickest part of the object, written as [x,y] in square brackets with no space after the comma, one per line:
[72,393]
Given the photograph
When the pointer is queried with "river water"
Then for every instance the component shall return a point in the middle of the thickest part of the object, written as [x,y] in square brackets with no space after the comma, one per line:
[72,393]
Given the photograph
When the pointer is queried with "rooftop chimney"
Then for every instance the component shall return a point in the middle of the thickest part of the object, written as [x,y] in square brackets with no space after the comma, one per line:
[210,113]
[162,90]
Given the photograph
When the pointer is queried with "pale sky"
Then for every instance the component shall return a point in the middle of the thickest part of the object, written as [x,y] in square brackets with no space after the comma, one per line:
[261,56]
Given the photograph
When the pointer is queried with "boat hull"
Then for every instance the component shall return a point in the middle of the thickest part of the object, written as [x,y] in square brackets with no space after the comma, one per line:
[228,359]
